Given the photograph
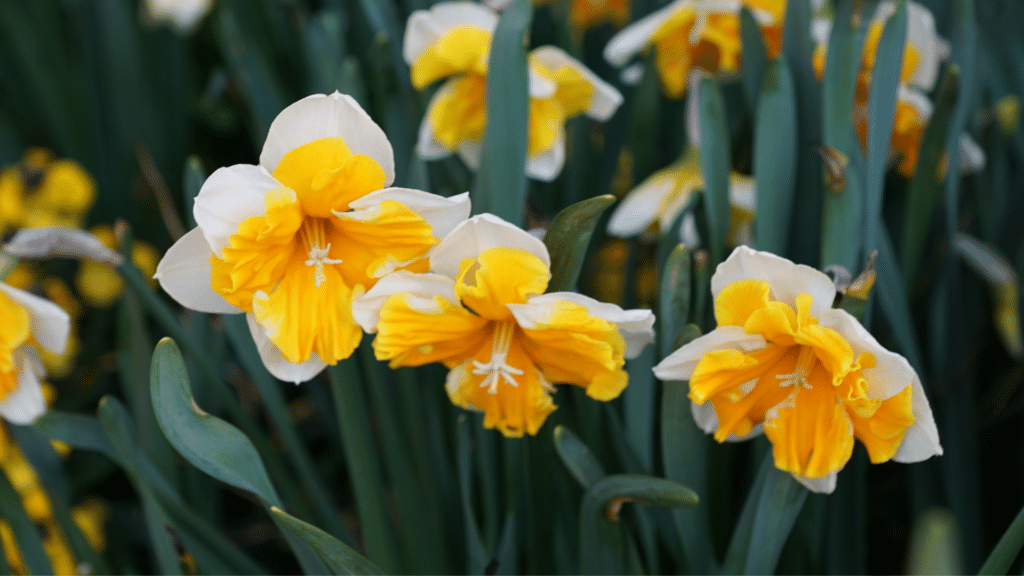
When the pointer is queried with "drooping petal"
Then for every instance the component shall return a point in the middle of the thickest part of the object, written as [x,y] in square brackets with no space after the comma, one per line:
[786,279]
[274,360]
[604,100]
[381,236]
[425,27]
[470,238]
[420,291]
[420,328]
[428,146]
[547,165]
[635,326]
[470,152]
[460,49]
[321,116]
[639,209]
[49,323]
[442,214]
[26,402]
[572,346]
[637,35]
[707,420]
[811,434]
[679,365]
[882,433]
[185,274]
[499,277]
[825,485]
[229,196]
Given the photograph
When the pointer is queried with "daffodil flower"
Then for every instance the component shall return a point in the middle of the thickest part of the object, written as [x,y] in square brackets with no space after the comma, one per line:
[482,312]
[585,14]
[293,241]
[183,16]
[689,34]
[809,376]
[27,319]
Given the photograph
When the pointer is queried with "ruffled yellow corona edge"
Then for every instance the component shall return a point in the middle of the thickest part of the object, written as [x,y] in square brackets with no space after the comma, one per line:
[293,241]
[784,362]
[482,312]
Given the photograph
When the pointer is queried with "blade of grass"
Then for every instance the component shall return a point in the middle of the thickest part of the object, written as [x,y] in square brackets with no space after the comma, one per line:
[715,162]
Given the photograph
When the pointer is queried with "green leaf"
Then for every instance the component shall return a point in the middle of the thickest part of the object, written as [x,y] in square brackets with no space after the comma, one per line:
[476,553]
[842,227]
[962,56]
[684,455]
[782,497]
[892,297]
[603,543]
[339,558]
[935,545]
[999,274]
[577,457]
[885,79]
[715,164]
[755,58]
[209,443]
[567,239]
[501,183]
[1007,549]
[775,157]
[193,176]
[26,534]
[674,297]
[923,194]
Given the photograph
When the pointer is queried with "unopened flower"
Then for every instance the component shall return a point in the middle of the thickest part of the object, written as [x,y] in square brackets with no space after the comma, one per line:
[293,241]
[690,34]
[482,312]
[809,376]
[181,15]
[27,320]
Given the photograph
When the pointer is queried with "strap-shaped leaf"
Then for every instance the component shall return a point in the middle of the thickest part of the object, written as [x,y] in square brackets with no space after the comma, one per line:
[339,558]
[567,239]
[715,163]
[577,457]
[775,157]
[755,59]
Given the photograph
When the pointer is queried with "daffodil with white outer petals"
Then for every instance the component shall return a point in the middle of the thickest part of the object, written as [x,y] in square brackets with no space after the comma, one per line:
[688,34]
[182,15]
[291,242]
[482,312]
[783,362]
[27,320]
[450,39]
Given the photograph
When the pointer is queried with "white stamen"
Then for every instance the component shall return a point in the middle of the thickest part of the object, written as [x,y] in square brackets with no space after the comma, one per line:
[804,365]
[314,237]
[496,368]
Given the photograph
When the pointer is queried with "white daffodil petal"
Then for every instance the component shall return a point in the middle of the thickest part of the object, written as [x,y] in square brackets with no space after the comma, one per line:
[821,28]
[420,291]
[921,34]
[787,279]
[229,196]
[477,234]
[640,207]
[635,326]
[425,27]
[538,86]
[606,98]
[636,36]
[547,165]
[919,100]
[972,157]
[274,360]
[321,116]
[825,485]
[443,214]
[679,365]
[470,153]
[743,192]
[50,324]
[922,438]
[185,274]
[427,145]
[25,403]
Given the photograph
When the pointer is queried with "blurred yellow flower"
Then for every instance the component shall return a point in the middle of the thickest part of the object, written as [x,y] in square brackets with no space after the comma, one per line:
[98,283]
[293,241]
[701,34]
[482,312]
[584,14]
[452,40]
[809,376]
[43,191]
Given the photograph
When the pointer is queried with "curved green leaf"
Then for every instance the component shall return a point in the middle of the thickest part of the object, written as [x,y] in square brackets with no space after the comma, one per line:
[715,163]
[1007,549]
[577,457]
[567,239]
[674,296]
[501,183]
[209,443]
[339,558]
[755,58]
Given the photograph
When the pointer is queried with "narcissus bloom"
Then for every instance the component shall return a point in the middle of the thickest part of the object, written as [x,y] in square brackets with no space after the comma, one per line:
[293,241]
[27,319]
[452,40]
[482,312]
[809,376]
[44,191]
[689,34]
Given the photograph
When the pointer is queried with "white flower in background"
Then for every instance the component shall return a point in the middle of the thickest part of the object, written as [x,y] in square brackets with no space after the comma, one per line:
[27,320]
[483,313]
[182,15]
[291,242]
[784,362]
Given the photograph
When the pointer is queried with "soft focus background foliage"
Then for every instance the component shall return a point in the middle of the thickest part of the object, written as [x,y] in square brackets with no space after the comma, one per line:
[392,469]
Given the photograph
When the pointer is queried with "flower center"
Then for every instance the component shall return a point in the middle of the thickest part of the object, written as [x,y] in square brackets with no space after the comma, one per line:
[804,364]
[313,235]
[496,368]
